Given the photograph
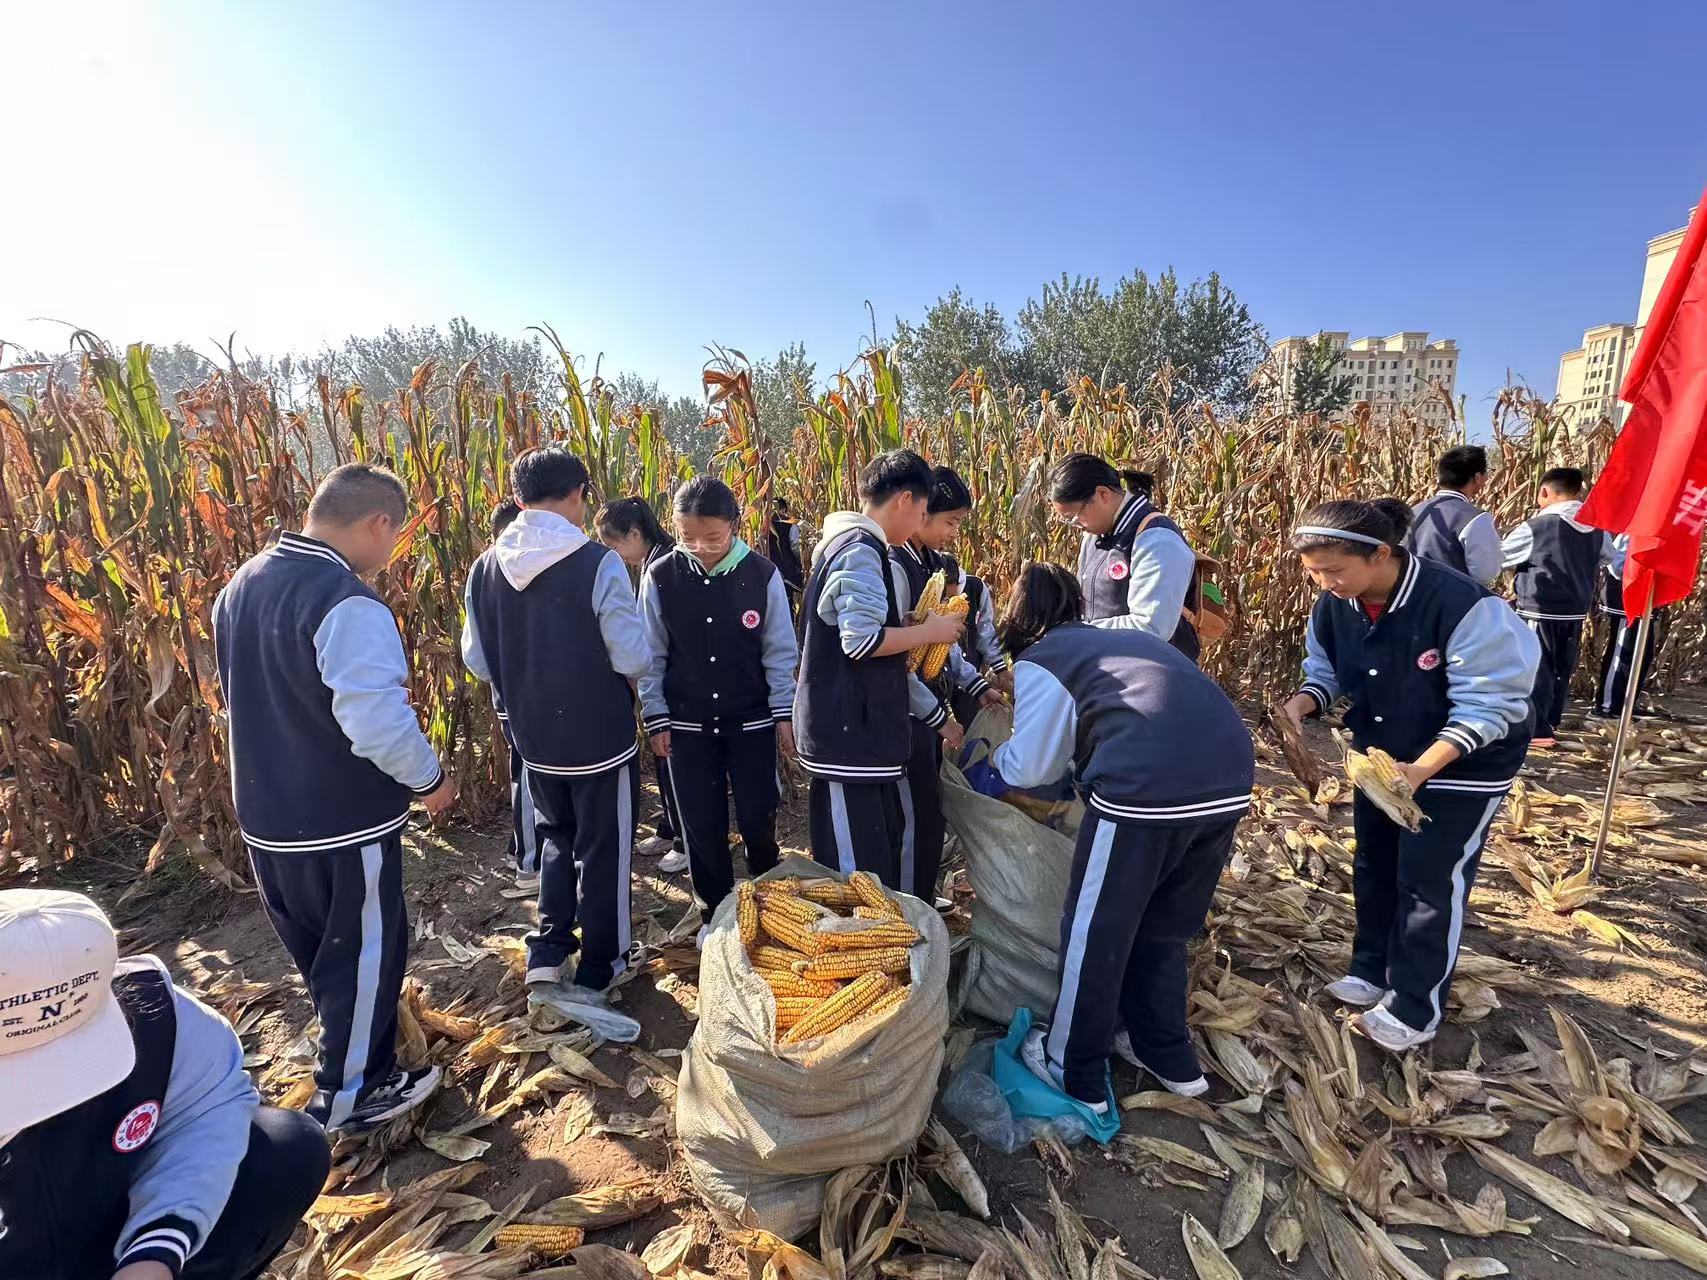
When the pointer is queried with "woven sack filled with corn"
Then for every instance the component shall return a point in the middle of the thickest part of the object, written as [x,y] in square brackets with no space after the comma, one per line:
[823,1004]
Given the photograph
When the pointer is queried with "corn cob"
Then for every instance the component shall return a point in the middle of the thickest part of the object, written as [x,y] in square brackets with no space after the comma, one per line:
[931,596]
[747,912]
[863,912]
[870,891]
[841,1008]
[548,1242]
[765,956]
[1376,774]
[785,982]
[791,1010]
[855,964]
[933,657]
[887,932]
[788,886]
[830,893]
[787,930]
[804,913]
[885,1002]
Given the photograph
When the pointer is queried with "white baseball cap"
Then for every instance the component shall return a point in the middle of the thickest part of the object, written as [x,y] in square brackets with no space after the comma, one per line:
[63,1037]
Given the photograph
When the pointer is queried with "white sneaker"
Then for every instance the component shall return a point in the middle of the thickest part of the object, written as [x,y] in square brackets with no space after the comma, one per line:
[1355,991]
[1036,1058]
[1185,1088]
[652,846]
[673,861]
[592,1009]
[943,905]
[528,880]
[547,974]
[1388,1031]
[399,1093]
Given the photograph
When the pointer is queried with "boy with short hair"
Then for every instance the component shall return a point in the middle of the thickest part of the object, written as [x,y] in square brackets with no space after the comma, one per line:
[1557,560]
[552,626]
[1450,528]
[326,754]
[851,712]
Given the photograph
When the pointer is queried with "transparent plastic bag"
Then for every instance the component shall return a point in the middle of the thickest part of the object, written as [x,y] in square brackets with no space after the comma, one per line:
[975,1099]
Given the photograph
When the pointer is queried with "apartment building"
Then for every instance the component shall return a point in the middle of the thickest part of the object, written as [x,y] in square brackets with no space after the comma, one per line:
[1404,369]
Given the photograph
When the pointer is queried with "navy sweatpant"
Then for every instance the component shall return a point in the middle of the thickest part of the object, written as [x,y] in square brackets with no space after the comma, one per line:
[524,842]
[280,1176]
[1561,645]
[1412,890]
[704,767]
[1136,896]
[341,916]
[586,819]
[857,826]
[923,825]
[1619,659]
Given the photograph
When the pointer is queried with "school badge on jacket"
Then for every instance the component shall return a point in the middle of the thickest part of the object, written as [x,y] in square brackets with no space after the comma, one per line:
[136,1128]
[1428,660]
[1117,570]
[751,619]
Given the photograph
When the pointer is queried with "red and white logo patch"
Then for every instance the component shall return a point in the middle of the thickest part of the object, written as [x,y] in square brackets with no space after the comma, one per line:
[1428,660]
[136,1128]
[1118,570]
[751,619]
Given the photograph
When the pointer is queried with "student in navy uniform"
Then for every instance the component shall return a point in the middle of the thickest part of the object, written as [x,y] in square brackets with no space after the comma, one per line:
[782,545]
[982,650]
[1165,766]
[628,527]
[1450,528]
[132,1144]
[326,756]
[1135,567]
[851,708]
[552,625]
[719,699]
[1620,656]
[1558,565]
[1438,670]
[524,845]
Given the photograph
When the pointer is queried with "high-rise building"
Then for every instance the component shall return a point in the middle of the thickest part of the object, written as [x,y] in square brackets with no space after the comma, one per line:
[1405,369]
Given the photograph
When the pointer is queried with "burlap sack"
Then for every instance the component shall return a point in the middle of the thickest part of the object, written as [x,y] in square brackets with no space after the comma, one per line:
[1019,869]
[763,1127]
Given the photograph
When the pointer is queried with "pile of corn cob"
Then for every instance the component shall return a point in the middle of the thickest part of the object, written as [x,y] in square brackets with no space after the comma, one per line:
[831,952]
[929,660]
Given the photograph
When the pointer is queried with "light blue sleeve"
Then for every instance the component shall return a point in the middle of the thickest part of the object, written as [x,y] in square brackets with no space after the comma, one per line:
[1516,549]
[473,654]
[853,600]
[1616,554]
[780,653]
[184,1177]
[1161,567]
[1490,674]
[988,644]
[654,711]
[1483,557]
[619,619]
[360,657]
[1046,724]
[1320,680]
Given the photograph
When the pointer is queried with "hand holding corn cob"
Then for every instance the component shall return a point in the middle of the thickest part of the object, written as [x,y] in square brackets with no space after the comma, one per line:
[1377,775]
[928,660]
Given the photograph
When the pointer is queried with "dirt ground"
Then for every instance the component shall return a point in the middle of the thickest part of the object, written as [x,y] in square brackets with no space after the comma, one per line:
[1628,1000]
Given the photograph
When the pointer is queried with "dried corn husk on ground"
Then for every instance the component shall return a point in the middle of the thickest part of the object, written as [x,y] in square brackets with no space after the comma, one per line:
[1299,758]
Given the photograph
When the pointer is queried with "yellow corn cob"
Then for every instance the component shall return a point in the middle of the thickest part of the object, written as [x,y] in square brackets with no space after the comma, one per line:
[854,964]
[791,1010]
[830,893]
[871,893]
[1377,775]
[548,1242]
[935,656]
[784,959]
[887,932]
[931,596]
[786,885]
[747,912]
[863,912]
[785,982]
[884,1003]
[802,912]
[787,930]
[841,1008]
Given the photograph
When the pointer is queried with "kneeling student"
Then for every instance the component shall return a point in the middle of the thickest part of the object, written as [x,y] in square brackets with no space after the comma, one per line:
[718,699]
[132,1144]
[1165,766]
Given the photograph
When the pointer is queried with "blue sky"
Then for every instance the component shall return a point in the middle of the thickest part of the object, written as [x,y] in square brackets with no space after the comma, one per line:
[653,177]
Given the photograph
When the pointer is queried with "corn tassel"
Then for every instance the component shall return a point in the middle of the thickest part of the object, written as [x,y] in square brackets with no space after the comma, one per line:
[747,912]
[841,1008]
[832,965]
[548,1242]
[885,933]
[785,982]
[871,893]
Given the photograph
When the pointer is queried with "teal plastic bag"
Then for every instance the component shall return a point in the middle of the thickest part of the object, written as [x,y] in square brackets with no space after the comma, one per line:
[1029,1096]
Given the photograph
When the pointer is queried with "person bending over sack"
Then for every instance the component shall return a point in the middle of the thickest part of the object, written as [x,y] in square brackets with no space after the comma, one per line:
[1165,766]
[132,1145]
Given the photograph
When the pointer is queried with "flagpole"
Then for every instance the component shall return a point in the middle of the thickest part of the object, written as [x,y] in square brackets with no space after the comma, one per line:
[1643,627]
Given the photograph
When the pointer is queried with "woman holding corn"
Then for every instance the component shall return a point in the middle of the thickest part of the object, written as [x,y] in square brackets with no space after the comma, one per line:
[1438,671]
[1112,707]
[718,699]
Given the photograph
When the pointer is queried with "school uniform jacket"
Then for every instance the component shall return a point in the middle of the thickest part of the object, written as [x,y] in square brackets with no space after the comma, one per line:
[1558,564]
[141,1172]
[1455,532]
[911,568]
[551,623]
[722,642]
[1139,580]
[326,751]
[983,649]
[1611,598]
[851,709]
[1150,739]
[1447,660]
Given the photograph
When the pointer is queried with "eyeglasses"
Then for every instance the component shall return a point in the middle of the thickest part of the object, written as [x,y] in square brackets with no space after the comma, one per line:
[1073,517]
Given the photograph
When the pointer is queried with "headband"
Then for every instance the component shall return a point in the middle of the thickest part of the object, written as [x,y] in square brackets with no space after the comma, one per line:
[1344,535]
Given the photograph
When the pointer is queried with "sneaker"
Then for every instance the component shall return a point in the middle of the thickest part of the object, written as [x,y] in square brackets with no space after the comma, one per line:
[1036,1058]
[1388,1031]
[1543,744]
[528,880]
[548,974]
[592,1009]
[1184,1088]
[673,861]
[400,1093]
[652,846]
[1355,991]
[943,905]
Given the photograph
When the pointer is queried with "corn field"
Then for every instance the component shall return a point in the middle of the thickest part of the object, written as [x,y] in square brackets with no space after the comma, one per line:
[121,517]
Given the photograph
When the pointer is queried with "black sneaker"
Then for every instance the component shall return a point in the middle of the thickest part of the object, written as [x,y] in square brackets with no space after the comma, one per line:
[402,1092]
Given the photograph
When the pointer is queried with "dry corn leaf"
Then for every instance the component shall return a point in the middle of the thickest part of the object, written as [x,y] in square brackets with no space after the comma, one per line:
[1207,1258]
[601,1207]
[1242,1207]
[949,1163]
[1555,1193]
[669,1249]
[577,1064]
[1474,1269]
[1174,1153]
[455,1146]
[579,1115]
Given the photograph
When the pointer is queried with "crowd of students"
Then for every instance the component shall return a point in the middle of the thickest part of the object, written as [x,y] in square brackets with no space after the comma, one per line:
[732,659]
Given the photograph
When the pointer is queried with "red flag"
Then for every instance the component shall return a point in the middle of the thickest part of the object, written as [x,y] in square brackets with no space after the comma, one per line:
[1654,485]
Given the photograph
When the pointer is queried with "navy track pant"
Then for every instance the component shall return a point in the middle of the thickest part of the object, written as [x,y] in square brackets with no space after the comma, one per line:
[704,768]
[586,819]
[1561,645]
[524,841]
[342,917]
[1412,891]
[857,826]
[1620,657]
[1136,896]
[923,826]
[281,1174]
